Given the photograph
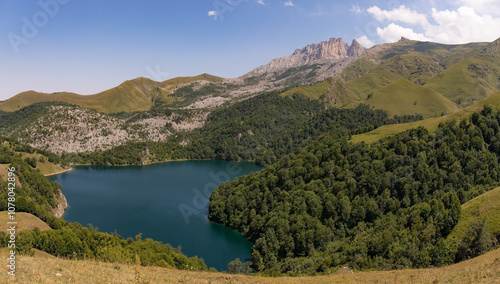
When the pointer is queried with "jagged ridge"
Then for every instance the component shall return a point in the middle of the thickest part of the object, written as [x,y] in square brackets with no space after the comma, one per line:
[334,49]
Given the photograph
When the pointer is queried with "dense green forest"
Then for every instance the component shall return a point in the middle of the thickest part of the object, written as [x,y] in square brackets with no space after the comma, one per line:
[382,206]
[261,129]
[72,240]
[37,195]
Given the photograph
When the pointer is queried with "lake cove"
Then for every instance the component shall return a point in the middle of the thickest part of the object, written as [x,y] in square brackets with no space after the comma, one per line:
[166,202]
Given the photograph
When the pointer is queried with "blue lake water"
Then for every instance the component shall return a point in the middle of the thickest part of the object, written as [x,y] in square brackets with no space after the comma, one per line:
[166,202]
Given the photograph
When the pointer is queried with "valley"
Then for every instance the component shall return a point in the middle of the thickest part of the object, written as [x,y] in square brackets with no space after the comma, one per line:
[373,159]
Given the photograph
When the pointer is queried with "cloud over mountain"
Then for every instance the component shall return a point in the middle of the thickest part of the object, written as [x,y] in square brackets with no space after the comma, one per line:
[470,22]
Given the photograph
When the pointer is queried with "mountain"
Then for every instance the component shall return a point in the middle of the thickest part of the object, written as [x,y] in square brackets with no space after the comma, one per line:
[311,64]
[133,95]
[452,76]
[404,78]
[334,49]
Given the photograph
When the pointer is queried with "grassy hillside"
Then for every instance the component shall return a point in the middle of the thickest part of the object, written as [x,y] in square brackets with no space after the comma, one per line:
[403,97]
[46,162]
[437,78]
[125,97]
[469,80]
[312,92]
[486,206]
[340,93]
[25,221]
[43,165]
[430,123]
[45,269]
[132,95]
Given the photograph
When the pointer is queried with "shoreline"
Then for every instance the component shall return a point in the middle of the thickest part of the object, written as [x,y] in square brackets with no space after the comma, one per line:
[127,165]
[59,172]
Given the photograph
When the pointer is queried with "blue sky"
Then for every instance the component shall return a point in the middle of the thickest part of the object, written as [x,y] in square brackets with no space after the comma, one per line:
[89,46]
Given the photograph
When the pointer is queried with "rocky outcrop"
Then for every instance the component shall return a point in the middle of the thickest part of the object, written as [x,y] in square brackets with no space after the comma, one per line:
[334,49]
[356,49]
[61,206]
[493,47]
[72,129]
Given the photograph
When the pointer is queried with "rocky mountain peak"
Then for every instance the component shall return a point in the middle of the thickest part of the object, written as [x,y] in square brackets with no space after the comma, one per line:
[333,49]
[356,49]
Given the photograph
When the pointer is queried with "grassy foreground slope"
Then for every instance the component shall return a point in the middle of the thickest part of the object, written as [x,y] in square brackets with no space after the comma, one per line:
[39,269]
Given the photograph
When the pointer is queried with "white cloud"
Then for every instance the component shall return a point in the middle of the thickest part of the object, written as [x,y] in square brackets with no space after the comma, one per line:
[288,4]
[400,14]
[394,32]
[463,25]
[365,41]
[356,9]
[456,26]
[261,2]
[487,7]
[214,14]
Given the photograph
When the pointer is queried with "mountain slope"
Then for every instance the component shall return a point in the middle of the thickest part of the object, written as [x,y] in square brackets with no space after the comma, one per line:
[469,80]
[403,97]
[486,206]
[430,123]
[438,76]
[133,95]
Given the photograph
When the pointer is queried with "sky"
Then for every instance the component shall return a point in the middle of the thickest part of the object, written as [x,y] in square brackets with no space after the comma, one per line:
[87,46]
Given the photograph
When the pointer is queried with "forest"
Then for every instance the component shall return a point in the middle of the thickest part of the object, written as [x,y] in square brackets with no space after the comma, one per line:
[261,129]
[38,195]
[382,206]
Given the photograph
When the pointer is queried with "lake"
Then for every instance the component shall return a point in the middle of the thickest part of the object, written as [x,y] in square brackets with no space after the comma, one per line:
[167,202]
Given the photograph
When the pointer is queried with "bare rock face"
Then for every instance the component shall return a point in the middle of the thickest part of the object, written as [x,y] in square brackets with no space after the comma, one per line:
[356,49]
[334,49]
[62,204]
[493,47]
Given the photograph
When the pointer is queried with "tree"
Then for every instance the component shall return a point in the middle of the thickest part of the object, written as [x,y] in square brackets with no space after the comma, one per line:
[476,241]
[238,267]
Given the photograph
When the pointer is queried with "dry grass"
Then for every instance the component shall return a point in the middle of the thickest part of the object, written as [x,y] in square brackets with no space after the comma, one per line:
[131,95]
[486,205]
[4,174]
[46,167]
[25,221]
[483,269]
